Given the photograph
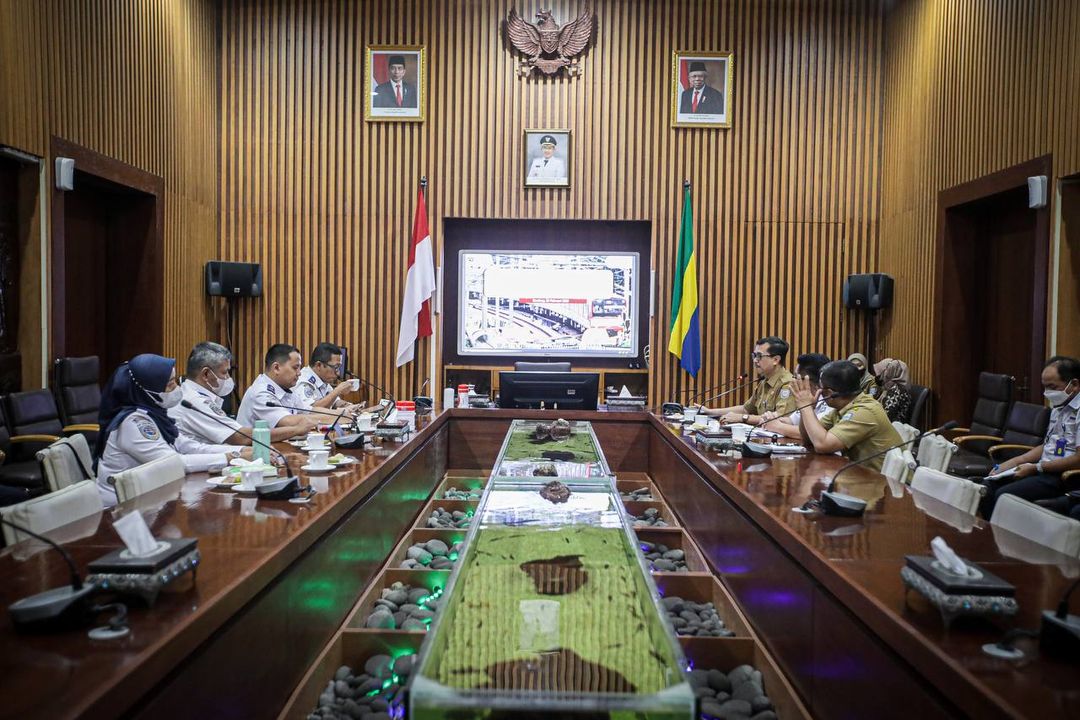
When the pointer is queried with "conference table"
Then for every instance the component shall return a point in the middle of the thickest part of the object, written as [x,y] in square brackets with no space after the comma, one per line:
[277,579]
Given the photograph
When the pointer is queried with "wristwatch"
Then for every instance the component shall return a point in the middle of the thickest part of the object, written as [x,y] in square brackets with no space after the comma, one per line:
[1038,466]
[746,418]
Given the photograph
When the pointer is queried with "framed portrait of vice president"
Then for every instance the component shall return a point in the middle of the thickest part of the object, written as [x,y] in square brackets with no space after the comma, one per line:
[395,84]
[701,89]
[547,158]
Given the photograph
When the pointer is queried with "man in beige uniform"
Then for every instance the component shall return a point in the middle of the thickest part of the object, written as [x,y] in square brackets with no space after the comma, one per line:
[857,426]
[772,393]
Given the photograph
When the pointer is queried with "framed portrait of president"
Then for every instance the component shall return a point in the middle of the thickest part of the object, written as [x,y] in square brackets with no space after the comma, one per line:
[547,158]
[701,89]
[395,84]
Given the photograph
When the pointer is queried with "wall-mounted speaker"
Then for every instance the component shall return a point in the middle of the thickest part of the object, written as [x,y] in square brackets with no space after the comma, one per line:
[868,291]
[65,174]
[233,279]
[1037,191]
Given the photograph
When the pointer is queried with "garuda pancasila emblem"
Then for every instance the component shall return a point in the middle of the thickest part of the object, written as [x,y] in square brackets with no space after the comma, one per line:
[545,39]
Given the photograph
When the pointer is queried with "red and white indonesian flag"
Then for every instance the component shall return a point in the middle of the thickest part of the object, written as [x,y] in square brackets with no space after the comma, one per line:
[419,287]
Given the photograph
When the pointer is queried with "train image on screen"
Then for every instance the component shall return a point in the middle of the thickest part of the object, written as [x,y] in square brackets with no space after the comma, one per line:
[526,303]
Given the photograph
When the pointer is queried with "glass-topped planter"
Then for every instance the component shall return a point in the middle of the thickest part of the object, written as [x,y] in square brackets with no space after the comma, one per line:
[561,449]
[550,610]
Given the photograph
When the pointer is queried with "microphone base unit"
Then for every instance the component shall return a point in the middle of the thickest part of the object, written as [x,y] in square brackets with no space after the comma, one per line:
[59,609]
[759,450]
[1060,637]
[671,408]
[841,505]
[144,577]
[353,441]
[424,404]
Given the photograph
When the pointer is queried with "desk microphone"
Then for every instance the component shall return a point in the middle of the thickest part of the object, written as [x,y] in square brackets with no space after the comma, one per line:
[1059,635]
[56,609]
[834,503]
[288,470]
[671,408]
[350,442]
[385,394]
[759,450]
[719,395]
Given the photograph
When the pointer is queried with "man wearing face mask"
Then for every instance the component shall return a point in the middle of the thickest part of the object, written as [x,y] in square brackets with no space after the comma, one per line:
[857,426]
[136,427]
[209,379]
[319,383]
[1038,471]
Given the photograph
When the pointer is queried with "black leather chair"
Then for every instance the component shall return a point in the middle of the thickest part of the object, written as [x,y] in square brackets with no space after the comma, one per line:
[18,466]
[919,397]
[33,413]
[542,367]
[991,407]
[78,395]
[1025,428]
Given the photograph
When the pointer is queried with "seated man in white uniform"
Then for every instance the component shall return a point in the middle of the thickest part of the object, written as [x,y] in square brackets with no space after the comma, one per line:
[136,427]
[318,383]
[271,397]
[208,380]
[809,367]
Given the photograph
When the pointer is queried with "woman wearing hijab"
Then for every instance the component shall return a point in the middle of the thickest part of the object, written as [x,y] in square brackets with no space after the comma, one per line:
[895,396]
[867,384]
[136,427]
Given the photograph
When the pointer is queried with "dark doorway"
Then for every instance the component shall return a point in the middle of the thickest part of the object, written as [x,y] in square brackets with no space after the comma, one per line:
[10,243]
[991,288]
[108,272]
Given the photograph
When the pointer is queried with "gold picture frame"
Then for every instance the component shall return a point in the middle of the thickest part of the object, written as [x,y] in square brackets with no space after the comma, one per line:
[713,108]
[385,106]
[545,171]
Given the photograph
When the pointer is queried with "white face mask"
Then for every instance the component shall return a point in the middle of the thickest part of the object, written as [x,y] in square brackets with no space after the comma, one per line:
[169,399]
[1057,397]
[224,386]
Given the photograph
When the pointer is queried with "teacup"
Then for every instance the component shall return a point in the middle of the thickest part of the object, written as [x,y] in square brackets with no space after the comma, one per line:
[315,440]
[363,421]
[250,478]
[690,414]
[319,459]
[355,385]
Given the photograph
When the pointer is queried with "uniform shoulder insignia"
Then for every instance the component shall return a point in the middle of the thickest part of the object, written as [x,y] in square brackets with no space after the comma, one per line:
[307,391]
[849,415]
[785,393]
[147,428]
[215,409]
[270,388]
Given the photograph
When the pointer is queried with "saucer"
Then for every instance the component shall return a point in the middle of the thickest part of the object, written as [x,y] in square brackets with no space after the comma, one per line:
[349,460]
[222,482]
[238,488]
[310,468]
[309,448]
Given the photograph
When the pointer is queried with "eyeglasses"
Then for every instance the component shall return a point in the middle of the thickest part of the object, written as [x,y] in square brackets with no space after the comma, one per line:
[758,356]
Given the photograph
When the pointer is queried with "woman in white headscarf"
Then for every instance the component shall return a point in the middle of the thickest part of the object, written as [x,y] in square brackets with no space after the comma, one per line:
[867,384]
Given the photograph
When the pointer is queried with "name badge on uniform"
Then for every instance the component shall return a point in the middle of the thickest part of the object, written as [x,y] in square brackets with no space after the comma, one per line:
[1059,447]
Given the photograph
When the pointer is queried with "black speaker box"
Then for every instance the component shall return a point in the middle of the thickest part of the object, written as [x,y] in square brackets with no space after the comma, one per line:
[233,279]
[868,291]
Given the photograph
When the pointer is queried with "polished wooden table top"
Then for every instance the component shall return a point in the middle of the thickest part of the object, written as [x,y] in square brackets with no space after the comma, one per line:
[859,561]
[244,542]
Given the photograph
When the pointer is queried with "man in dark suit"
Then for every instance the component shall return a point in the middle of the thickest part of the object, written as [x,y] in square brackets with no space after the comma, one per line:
[395,93]
[700,98]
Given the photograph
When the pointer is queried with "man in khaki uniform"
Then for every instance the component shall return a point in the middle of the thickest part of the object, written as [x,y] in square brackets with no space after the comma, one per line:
[772,393]
[857,426]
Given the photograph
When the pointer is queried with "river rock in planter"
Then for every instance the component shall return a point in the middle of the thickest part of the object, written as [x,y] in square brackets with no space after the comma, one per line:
[436,547]
[363,697]
[650,518]
[638,494]
[406,615]
[464,494]
[729,707]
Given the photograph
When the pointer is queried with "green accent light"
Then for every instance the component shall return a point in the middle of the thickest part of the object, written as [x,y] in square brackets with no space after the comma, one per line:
[453,556]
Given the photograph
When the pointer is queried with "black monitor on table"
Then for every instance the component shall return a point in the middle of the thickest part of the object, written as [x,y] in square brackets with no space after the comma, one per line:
[567,390]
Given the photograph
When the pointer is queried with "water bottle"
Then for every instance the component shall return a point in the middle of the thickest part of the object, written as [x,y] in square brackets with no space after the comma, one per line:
[261,448]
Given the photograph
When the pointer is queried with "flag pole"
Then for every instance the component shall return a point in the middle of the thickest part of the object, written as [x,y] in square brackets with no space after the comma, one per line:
[434,387]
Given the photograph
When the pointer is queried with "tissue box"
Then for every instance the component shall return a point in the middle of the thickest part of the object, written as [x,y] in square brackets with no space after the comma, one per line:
[953,584]
[144,577]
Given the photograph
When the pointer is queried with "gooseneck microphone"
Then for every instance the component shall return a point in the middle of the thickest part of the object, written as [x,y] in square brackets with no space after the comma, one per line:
[55,609]
[675,407]
[288,470]
[724,384]
[350,442]
[947,426]
[727,392]
[385,394]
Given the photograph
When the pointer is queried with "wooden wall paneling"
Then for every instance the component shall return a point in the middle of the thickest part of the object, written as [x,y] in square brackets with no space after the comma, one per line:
[970,88]
[136,82]
[800,159]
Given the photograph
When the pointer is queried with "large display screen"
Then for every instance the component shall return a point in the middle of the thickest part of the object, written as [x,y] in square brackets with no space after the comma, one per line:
[547,304]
